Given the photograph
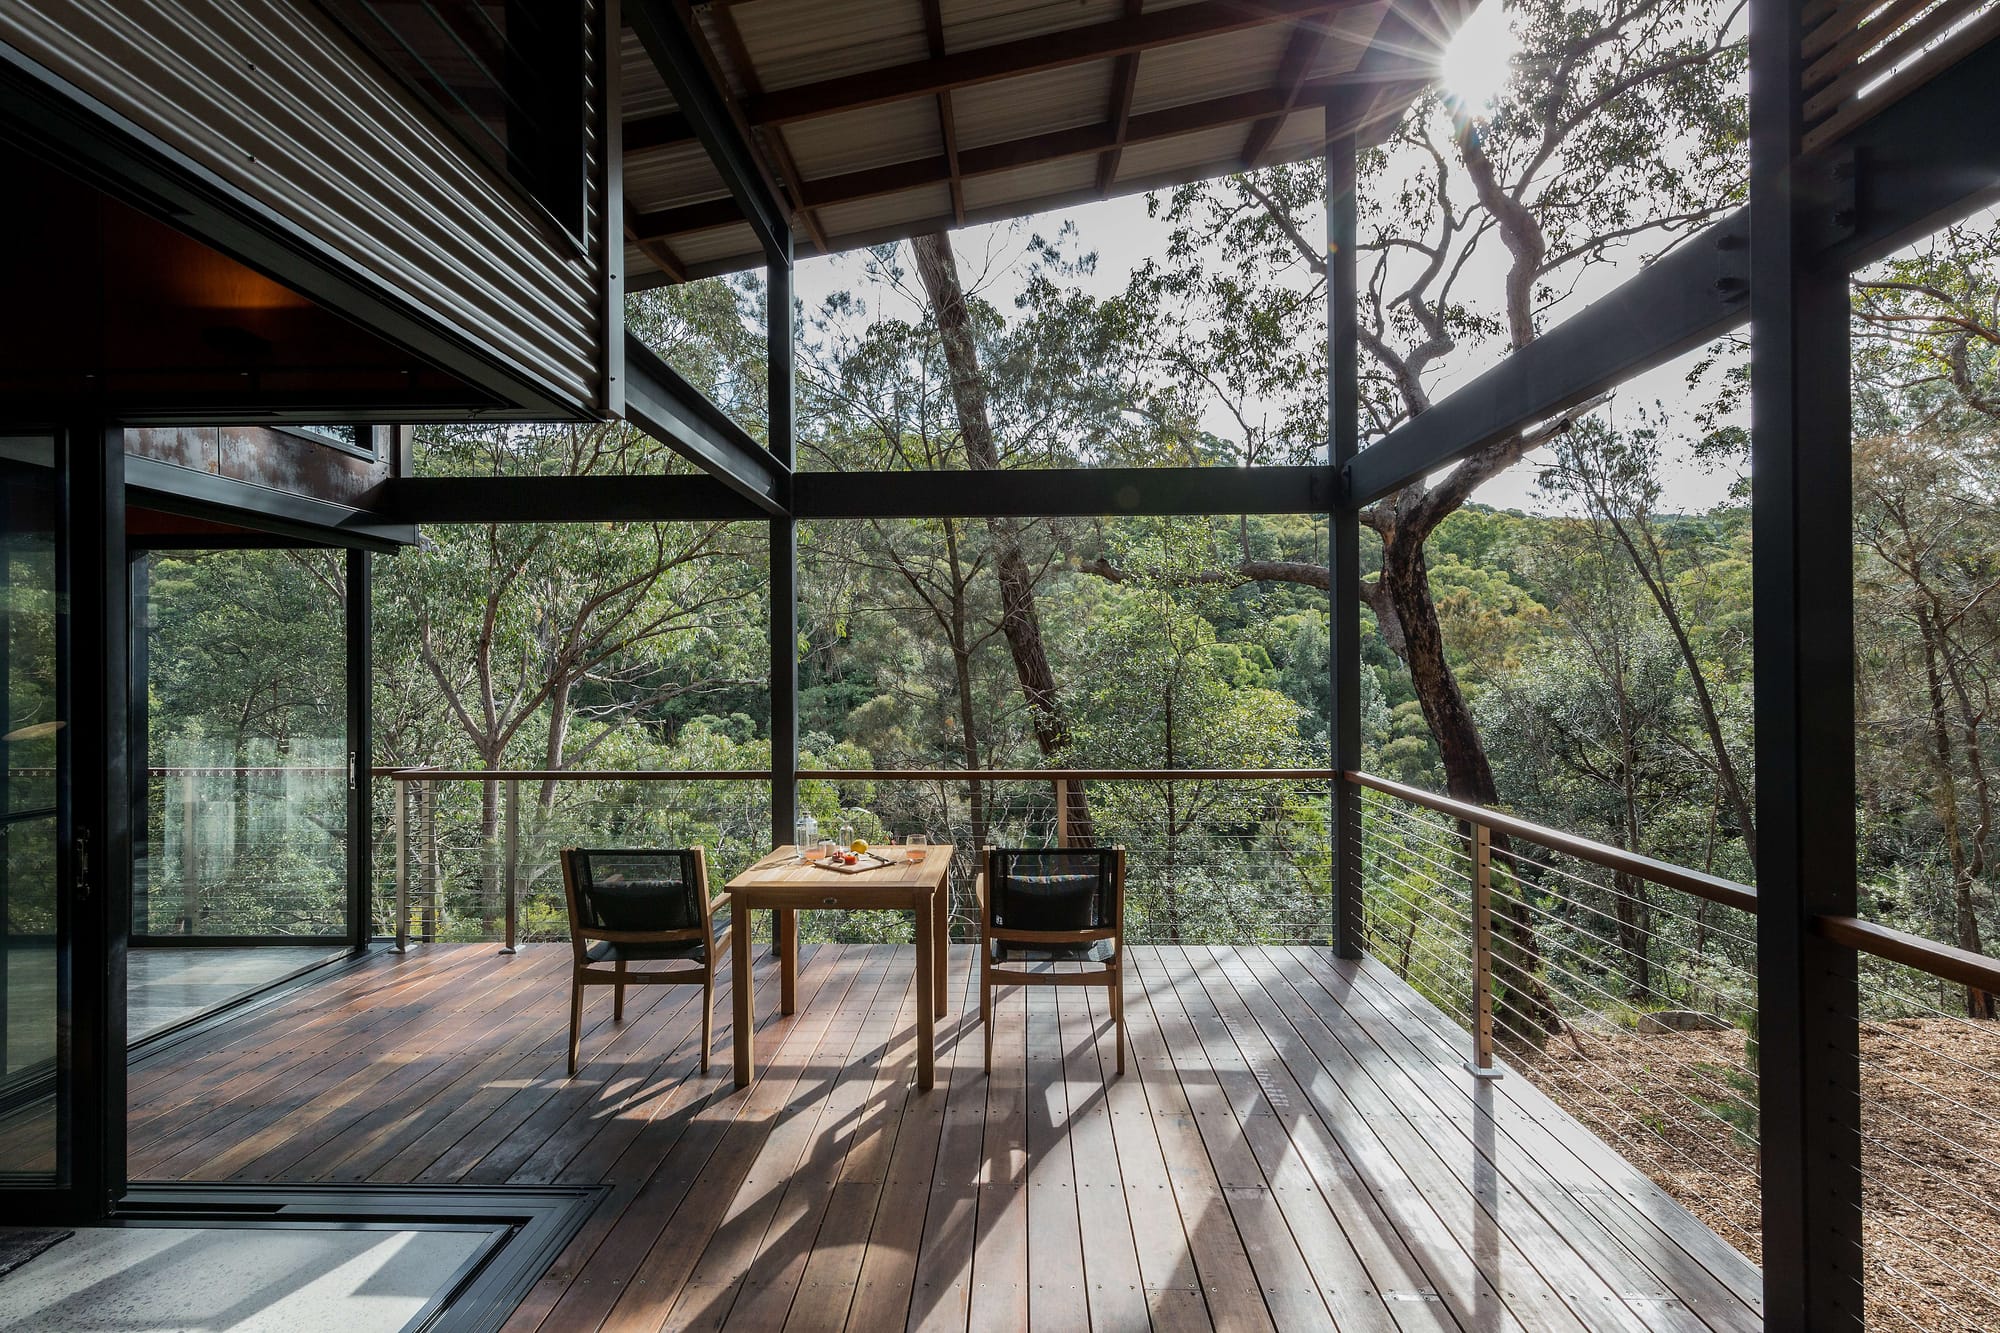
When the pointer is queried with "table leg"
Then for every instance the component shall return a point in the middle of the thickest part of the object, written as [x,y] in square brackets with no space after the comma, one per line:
[740,986]
[926,989]
[941,949]
[788,952]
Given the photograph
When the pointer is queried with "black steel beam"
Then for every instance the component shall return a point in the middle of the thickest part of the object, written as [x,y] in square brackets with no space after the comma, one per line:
[1803,529]
[1064,492]
[677,414]
[680,56]
[1343,391]
[1895,178]
[1915,166]
[678,499]
[1689,296]
[196,494]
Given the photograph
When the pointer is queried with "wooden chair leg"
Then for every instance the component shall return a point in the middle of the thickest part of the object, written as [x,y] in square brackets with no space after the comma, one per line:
[618,997]
[707,1014]
[986,1014]
[575,1020]
[1118,1013]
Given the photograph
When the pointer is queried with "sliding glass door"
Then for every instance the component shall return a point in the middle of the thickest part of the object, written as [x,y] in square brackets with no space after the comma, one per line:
[241,872]
[34,965]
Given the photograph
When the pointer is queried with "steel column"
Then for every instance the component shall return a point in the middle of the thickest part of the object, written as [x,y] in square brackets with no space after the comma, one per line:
[1343,432]
[1802,515]
[360,745]
[780,351]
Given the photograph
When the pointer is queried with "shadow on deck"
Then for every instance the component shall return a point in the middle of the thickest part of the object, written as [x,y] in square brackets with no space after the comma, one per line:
[1296,1145]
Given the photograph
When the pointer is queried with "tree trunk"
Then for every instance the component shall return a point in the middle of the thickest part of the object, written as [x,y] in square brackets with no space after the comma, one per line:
[1020,621]
[1523,1003]
[1978,1003]
[1654,575]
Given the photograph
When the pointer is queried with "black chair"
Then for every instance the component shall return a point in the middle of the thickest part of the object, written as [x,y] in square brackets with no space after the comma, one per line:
[629,907]
[1054,904]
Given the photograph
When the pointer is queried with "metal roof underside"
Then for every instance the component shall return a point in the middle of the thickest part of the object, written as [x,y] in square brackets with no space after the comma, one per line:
[882,119]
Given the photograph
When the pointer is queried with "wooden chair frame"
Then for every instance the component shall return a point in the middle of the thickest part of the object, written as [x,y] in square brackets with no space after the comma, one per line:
[1109,974]
[673,972]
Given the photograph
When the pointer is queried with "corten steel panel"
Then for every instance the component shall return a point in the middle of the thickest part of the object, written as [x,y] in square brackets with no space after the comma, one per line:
[274,459]
[194,447]
[299,466]
[278,104]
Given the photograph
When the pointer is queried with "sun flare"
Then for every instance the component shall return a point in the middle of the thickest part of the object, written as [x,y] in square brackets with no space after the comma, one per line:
[1478,62]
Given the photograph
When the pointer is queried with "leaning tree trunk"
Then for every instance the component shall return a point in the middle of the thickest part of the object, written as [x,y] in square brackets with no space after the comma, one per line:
[1522,1005]
[938,269]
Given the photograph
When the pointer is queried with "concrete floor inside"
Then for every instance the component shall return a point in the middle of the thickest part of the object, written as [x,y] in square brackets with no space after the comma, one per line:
[298,1279]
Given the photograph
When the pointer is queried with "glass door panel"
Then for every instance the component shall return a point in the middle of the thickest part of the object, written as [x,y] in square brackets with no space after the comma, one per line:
[34,972]
[241,876]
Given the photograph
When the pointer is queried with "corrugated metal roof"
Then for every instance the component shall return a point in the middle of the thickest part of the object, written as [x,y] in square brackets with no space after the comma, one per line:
[1017,115]
[870,137]
[665,177]
[1198,71]
[1149,160]
[645,92]
[795,42]
[1036,182]
[1035,104]
[868,217]
[975,23]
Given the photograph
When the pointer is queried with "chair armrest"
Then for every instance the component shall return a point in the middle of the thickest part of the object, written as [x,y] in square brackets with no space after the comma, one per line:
[720,900]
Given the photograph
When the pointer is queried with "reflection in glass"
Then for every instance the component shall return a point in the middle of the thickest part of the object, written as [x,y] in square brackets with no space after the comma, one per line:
[32,971]
[246,739]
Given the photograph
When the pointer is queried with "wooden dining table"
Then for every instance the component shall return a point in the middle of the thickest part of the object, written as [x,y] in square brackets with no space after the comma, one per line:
[788,886]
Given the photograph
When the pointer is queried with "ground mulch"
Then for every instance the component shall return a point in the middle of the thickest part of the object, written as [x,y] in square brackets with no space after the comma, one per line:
[1677,1106]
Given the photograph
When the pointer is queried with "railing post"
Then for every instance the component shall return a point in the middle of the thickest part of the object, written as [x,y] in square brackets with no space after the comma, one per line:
[190,857]
[1062,812]
[427,804]
[402,865]
[510,869]
[1481,1063]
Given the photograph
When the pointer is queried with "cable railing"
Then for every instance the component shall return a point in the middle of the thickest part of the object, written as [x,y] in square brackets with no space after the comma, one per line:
[1625,989]
[1622,986]
[1212,854]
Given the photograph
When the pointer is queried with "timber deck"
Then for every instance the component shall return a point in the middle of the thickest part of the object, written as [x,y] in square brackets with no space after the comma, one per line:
[1296,1145]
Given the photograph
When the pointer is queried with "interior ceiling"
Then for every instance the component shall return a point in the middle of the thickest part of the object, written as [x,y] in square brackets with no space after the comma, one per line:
[110,309]
[882,119]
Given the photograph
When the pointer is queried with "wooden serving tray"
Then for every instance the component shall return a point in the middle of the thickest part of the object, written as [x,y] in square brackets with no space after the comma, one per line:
[869,861]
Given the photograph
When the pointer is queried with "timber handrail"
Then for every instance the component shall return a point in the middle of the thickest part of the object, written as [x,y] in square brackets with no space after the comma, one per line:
[1067,774]
[860,774]
[573,774]
[1944,961]
[1712,888]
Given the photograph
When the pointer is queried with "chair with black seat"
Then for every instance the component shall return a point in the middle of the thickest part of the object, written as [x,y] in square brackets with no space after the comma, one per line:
[643,907]
[1052,905]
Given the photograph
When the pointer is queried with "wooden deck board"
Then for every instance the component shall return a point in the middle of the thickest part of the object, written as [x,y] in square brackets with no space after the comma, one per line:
[1294,1145]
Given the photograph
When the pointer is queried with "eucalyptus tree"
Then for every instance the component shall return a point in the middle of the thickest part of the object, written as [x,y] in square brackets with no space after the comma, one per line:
[1614,476]
[1620,134]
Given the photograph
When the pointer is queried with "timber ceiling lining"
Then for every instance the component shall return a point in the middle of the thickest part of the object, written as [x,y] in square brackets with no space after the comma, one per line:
[888,118]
